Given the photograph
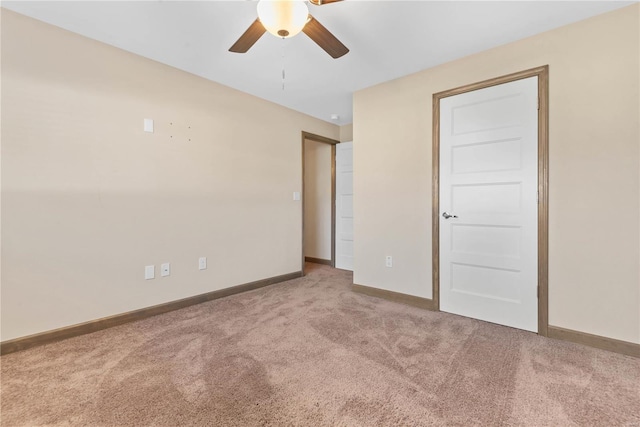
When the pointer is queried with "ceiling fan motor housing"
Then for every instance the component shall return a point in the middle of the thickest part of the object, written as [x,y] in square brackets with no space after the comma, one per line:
[283,18]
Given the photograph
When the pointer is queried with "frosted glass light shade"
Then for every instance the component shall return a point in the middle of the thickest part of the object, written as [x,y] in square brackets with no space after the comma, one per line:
[283,18]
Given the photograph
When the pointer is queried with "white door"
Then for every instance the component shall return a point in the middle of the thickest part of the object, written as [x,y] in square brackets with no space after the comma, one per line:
[344,206]
[488,204]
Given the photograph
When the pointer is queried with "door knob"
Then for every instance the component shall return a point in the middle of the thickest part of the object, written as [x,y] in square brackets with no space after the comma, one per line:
[446,215]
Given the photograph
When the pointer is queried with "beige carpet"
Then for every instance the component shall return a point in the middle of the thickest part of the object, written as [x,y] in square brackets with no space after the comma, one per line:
[311,353]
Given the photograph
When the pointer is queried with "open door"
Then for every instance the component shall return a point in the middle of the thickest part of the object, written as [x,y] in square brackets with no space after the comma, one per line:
[344,206]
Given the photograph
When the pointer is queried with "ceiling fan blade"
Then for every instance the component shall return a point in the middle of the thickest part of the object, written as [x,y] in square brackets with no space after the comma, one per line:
[321,2]
[323,38]
[248,39]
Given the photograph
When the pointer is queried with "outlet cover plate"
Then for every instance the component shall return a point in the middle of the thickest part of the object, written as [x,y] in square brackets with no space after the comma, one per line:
[165,269]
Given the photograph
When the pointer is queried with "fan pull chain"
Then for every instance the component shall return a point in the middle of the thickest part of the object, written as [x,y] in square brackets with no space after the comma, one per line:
[283,75]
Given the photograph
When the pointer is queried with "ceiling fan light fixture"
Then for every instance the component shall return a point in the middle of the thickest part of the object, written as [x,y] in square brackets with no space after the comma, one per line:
[283,18]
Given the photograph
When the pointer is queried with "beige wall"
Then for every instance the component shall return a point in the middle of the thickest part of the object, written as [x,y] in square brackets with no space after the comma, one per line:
[317,200]
[346,133]
[0,180]
[89,199]
[594,214]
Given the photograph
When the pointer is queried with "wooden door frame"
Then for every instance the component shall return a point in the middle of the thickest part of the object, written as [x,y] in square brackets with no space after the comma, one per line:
[543,184]
[318,138]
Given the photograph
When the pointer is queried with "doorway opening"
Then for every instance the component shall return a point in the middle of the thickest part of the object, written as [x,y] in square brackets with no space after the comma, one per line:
[318,199]
[479,167]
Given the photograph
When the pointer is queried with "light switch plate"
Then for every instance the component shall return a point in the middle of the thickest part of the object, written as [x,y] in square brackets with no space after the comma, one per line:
[296,195]
[202,263]
[148,125]
[149,272]
[165,269]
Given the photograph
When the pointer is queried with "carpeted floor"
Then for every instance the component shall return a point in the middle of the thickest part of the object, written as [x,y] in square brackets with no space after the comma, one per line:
[309,352]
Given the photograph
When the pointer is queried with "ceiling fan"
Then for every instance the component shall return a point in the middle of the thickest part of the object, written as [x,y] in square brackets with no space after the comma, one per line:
[286,18]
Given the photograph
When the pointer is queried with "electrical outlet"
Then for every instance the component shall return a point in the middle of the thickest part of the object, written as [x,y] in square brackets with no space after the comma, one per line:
[202,263]
[149,272]
[389,261]
[165,269]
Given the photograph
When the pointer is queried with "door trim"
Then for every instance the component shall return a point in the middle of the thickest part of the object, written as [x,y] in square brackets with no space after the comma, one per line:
[543,184]
[332,142]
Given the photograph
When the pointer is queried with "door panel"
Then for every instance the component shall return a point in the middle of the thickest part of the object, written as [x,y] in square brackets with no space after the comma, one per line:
[479,115]
[488,183]
[486,240]
[492,156]
[344,206]
[484,281]
[494,198]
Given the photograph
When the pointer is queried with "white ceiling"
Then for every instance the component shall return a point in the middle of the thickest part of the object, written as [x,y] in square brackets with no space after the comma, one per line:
[387,39]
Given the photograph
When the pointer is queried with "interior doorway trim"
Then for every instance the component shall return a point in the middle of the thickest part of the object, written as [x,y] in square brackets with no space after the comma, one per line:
[543,184]
[332,142]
